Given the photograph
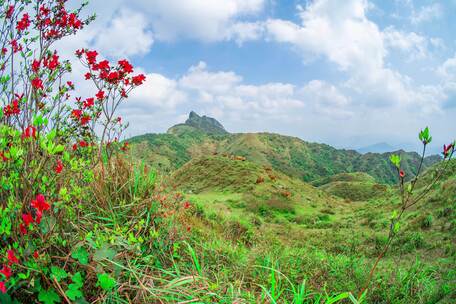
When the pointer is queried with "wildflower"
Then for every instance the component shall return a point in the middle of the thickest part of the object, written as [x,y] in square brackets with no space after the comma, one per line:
[29,132]
[138,80]
[6,271]
[40,203]
[2,287]
[12,257]
[58,167]
[27,218]
[36,65]
[80,52]
[100,95]
[16,46]
[187,205]
[447,150]
[88,103]
[36,254]
[37,83]
[24,23]
[402,173]
[103,65]
[85,120]
[23,229]
[126,66]
[91,57]
[76,113]
[10,11]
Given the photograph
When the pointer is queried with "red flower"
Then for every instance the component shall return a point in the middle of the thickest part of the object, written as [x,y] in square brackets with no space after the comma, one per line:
[76,113]
[123,93]
[100,95]
[447,150]
[16,46]
[187,205]
[23,229]
[138,80]
[103,65]
[39,215]
[91,57]
[88,103]
[37,83]
[24,23]
[402,173]
[6,271]
[88,76]
[85,120]
[2,287]
[29,132]
[40,203]
[12,257]
[12,109]
[80,52]
[113,76]
[75,147]
[83,144]
[36,65]
[126,66]
[53,63]
[3,157]
[27,218]
[70,84]
[125,146]
[36,254]
[10,11]
[58,167]
[119,120]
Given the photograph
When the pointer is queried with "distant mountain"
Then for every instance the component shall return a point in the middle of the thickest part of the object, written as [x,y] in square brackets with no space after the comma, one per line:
[377,148]
[203,123]
[204,136]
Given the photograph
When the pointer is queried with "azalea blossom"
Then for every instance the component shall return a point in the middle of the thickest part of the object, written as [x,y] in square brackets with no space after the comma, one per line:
[12,257]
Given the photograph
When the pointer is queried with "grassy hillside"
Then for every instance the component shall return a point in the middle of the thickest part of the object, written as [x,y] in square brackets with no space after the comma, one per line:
[247,223]
[353,186]
[289,155]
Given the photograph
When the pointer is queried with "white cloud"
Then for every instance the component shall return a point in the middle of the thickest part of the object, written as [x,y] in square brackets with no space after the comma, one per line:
[126,35]
[208,21]
[427,13]
[412,44]
[342,34]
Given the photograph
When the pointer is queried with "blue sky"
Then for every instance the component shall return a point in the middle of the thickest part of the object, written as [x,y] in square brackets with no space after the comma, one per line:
[349,73]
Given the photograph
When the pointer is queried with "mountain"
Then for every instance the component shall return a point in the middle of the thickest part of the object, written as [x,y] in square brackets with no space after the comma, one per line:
[204,136]
[203,123]
[376,148]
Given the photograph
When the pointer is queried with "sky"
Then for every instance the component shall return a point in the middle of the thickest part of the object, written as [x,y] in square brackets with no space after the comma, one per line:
[347,73]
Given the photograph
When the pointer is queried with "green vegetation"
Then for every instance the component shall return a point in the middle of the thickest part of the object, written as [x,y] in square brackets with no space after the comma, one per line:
[289,155]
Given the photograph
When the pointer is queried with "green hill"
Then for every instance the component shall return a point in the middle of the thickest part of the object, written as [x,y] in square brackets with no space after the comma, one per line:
[203,136]
[356,186]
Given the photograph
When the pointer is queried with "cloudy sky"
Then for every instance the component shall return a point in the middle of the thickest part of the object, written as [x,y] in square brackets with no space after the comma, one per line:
[349,73]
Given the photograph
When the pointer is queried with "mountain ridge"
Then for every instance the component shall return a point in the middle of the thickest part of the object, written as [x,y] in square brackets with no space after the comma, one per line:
[202,136]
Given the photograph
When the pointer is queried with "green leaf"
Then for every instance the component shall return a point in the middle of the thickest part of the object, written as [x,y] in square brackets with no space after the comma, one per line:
[48,297]
[396,228]
[77,279]
[73,292]
[106,282]
[396,160]
[58,273]
[81,255]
